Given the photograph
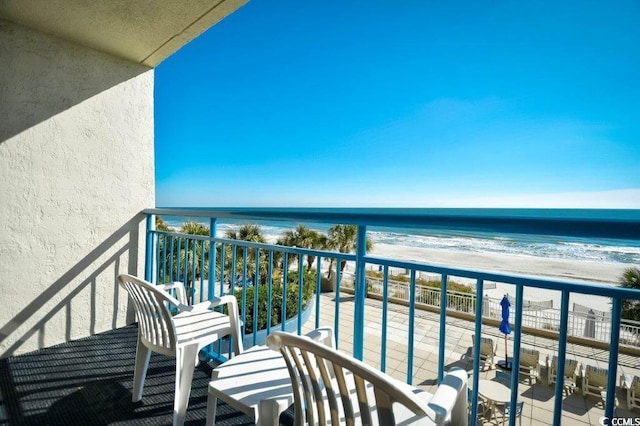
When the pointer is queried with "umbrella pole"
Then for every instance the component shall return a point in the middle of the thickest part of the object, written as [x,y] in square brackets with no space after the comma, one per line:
[506,359]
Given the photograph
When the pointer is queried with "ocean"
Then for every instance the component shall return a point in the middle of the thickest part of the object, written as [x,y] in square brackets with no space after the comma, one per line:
[544,246]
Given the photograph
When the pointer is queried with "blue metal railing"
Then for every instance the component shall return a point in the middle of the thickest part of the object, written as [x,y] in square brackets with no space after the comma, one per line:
[586,228]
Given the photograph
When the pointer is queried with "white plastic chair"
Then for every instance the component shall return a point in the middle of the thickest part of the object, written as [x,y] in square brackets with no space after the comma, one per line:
[181,335]
[360,394]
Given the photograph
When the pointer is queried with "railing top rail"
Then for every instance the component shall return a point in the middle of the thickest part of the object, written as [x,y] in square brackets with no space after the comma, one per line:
[484,220]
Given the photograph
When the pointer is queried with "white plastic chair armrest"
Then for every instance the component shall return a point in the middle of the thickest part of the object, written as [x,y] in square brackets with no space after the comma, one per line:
[181,294]
[626,380]
[323,335]
[214,303]
[450,395]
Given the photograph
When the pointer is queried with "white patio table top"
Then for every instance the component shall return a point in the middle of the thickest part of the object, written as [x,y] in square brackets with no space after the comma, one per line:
[494,391]
[256,382]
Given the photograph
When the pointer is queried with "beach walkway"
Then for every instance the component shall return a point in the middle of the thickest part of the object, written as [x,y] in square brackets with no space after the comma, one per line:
[538,398]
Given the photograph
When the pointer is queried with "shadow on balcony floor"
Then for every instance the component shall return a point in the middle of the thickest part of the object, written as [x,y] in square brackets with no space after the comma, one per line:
[89,382]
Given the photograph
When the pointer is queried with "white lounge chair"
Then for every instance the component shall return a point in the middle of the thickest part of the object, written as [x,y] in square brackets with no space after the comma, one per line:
[361,394]
[632,384]
[530,364]
[571,372]
[181,335]
[594,382]
[488,349]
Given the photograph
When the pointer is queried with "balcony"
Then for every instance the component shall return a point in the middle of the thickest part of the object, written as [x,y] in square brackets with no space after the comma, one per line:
[398,328]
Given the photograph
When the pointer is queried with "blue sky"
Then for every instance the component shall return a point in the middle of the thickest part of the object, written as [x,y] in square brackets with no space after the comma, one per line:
[413,103]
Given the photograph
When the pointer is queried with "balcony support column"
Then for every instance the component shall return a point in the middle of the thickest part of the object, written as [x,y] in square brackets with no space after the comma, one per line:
[360,293]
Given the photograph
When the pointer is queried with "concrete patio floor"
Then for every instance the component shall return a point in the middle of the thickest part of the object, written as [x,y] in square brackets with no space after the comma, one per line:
[539,399]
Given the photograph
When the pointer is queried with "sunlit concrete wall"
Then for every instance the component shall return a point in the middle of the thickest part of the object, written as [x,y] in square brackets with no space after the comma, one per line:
[76,169]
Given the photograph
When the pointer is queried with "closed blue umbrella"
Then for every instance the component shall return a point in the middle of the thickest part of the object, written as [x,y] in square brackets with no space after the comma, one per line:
[505,327]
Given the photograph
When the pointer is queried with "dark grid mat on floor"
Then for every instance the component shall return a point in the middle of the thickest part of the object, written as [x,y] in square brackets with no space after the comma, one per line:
[89,382]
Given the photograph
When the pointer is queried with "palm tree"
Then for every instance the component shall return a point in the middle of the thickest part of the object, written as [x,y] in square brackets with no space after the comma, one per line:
[252,233]
[161,225]
[247,232]
[304,237]
[631,279]
[195,228]
[344,238]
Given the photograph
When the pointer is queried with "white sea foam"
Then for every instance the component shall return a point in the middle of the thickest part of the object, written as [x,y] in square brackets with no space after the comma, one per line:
[552,257]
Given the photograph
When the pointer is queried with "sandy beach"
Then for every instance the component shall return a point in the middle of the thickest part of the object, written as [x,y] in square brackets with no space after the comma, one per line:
[570,270]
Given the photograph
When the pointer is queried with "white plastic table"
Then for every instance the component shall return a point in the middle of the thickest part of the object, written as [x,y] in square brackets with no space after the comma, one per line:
[256,382]
[494,391]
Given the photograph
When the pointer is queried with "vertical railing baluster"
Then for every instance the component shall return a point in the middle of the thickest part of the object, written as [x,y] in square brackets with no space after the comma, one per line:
[193,270]
[336,315]
[211,278]
[285,278]
[157,255]
[360,293]
[562,352]
[202,264]
[223,248]
[385,309]
[212,259]
[412,325]
[179,276]
[614,342]
[244,287]
[516,354]
[164,258]
[269,291]
[318,288]
[443,328]
[232,267]
[185,267]
[476,355]
[300,288]
[171,269]
[149,248]
[256,290]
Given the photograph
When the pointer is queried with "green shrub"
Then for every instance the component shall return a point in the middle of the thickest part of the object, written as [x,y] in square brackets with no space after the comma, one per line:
[276,300]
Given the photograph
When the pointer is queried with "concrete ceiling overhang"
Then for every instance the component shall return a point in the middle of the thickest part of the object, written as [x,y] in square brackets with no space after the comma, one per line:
[141,31]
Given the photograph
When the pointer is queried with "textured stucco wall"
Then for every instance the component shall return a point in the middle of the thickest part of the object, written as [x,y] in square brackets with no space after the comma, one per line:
[76,169]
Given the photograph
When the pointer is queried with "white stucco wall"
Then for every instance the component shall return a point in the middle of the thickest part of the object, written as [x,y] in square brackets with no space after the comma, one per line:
[76,169]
